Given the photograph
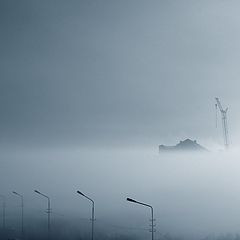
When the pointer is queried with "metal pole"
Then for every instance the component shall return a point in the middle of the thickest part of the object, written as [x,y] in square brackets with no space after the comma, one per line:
[48,212]
[93,209]
[22,218]
[22,224]
[225,133]
[152,219]
[224,122]
[152,222]
[92,219]
[3,212]
[22,207]
[216,118]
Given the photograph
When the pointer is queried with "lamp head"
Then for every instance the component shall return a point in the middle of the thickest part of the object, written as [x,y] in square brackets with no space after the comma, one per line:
[36,191]
[80,193]
[131,200]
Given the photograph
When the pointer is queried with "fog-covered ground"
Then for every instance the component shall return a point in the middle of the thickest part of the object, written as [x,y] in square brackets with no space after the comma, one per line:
[192,194]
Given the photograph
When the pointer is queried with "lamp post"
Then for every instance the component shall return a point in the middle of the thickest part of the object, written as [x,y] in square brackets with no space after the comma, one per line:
[92,219]
[147,205]
[22,207]
[3,212]
[48,211]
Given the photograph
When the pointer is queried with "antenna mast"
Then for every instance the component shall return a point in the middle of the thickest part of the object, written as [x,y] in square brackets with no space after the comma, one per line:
[224,122]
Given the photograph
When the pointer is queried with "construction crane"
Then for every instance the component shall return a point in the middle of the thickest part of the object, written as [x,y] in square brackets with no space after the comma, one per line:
[224,122]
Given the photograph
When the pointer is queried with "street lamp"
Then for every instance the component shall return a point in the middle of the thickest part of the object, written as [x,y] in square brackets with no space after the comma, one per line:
[92,219]
[147,205]
[48,210]
[3,211]
[21,196]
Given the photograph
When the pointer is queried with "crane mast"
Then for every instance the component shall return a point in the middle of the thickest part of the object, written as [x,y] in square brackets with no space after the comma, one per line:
[224,122]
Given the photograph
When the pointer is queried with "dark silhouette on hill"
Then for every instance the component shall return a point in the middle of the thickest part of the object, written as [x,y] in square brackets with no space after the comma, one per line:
[186,145]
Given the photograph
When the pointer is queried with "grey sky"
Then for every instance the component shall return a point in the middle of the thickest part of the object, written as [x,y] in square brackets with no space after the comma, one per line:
[105,72]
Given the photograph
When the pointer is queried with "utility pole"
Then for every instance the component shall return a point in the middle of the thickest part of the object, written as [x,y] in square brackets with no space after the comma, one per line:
[224,123]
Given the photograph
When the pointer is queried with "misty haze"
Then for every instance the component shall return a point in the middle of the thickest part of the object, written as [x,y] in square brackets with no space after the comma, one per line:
[119,120]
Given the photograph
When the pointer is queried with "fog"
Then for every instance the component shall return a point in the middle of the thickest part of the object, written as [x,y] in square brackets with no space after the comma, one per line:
[89,89]
[193,194]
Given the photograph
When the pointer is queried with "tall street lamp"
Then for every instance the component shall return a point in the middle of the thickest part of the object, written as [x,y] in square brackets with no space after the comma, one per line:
[48,210]
[22,207]
[147,205]
[92,219]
